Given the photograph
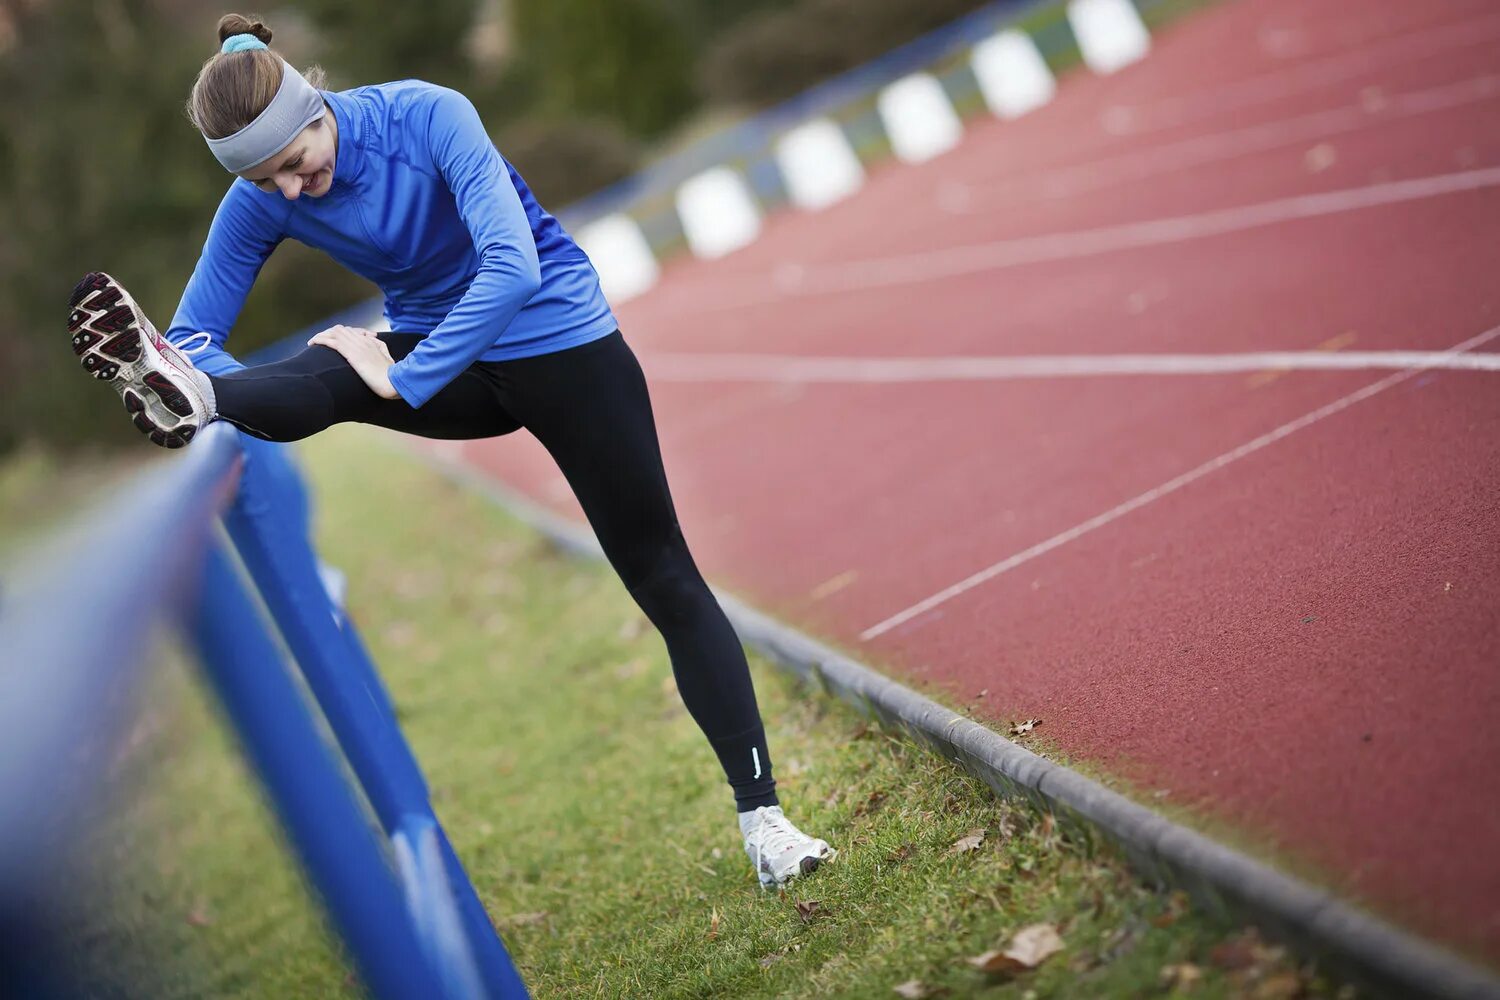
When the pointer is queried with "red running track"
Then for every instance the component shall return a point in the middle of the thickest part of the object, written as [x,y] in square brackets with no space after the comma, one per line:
[1268,597]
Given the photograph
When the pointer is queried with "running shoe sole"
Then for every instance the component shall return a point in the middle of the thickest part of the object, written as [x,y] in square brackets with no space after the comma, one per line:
[116,343]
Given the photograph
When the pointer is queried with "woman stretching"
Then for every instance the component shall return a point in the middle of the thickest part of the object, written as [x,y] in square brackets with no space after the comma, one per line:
[501,324]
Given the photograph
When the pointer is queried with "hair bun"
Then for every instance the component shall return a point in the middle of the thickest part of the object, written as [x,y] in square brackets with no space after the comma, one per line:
[239,24]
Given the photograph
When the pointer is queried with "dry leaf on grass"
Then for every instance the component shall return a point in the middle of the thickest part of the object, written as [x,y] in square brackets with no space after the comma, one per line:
[809,908]
[1022,728]
[523,919]
[968,842]
[915,989]
[713,924]
[1028,948]
[870,804]
[1182,976]
[198,916]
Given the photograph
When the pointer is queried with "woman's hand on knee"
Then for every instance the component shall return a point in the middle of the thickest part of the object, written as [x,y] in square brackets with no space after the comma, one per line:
[366,354]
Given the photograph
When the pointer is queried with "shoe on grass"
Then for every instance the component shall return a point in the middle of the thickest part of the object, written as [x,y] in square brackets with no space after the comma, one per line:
[779,851]
[169,400]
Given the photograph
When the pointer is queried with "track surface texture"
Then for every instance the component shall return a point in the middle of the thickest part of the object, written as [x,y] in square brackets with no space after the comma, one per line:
[1270,597]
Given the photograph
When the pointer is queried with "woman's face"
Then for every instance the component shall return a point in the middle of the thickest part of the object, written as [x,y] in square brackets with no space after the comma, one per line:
[303,166]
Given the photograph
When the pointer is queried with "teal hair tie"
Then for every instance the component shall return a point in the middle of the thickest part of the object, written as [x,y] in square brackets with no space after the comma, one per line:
[241,43]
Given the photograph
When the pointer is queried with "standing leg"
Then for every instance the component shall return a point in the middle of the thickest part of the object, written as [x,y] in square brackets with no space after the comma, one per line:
[589,407]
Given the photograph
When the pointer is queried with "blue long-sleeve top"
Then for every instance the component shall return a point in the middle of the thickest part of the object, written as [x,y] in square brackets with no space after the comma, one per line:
[423,205]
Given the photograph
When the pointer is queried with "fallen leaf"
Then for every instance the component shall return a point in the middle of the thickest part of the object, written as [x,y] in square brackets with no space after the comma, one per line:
[1035,944]
[1028,948]
[994,961]
[968,842]
[198,916]
[915,989]
[900,854]
[807,909]
[1182,976]
[713,925]
[523,919]
[1022,728]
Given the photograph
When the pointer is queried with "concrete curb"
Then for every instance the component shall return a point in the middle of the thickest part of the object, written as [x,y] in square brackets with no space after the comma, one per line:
[1376,956]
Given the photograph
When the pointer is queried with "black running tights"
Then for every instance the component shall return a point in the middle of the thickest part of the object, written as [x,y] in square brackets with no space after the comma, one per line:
[589,407]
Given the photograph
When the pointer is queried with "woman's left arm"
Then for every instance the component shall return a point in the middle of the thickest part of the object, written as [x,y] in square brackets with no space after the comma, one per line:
[509,273]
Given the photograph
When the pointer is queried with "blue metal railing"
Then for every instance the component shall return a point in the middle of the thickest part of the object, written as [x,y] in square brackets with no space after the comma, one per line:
[74,635]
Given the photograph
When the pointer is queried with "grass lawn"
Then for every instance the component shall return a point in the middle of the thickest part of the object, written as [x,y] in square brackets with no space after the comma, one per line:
[592,814]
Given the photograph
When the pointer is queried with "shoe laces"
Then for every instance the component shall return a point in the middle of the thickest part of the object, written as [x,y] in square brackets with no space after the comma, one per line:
[772,834]
[207,339]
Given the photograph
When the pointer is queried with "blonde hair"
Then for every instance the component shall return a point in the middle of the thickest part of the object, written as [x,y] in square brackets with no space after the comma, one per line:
[233,88]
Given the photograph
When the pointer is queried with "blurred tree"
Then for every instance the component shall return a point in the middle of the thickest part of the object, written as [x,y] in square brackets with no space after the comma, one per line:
[625,60]
[704,21]
[780,52]
[376,42]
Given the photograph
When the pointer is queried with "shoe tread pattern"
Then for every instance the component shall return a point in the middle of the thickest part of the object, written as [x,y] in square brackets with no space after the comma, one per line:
[107,338]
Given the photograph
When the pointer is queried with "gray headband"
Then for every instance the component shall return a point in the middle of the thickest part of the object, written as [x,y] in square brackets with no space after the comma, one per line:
[296,105]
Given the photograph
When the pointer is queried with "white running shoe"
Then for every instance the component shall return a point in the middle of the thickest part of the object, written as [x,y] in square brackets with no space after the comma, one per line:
[779,851]
[169,400]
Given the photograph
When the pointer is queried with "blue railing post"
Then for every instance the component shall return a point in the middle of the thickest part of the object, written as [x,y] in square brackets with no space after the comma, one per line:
[269,525]
[337,846]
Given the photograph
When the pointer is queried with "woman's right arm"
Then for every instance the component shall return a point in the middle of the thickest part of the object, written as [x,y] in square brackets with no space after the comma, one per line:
[242,236]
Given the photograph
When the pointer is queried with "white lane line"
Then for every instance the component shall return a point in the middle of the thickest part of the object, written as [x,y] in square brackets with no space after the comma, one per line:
[1372,111]
[1170,486]
[1308,75]
[914,268]
[793,368]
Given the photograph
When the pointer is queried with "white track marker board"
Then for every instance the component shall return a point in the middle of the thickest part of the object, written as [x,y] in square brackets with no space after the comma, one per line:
[621,255]
[717,212]
[1012,75]
[1110,33]
[818,164]
[918,117]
